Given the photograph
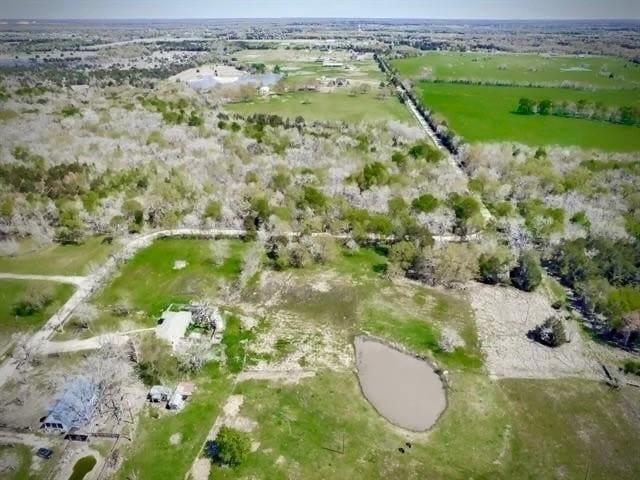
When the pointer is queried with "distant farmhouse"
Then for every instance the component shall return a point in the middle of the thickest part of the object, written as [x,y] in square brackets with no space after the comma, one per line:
[73,409]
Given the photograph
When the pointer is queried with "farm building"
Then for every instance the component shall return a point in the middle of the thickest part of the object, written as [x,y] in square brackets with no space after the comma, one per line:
[73,409]
[172,326]
[182,393]
[159,393]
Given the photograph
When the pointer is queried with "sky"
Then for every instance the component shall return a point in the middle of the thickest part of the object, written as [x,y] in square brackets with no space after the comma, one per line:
[441,9]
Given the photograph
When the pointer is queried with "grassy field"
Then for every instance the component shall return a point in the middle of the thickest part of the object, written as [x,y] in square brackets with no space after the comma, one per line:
[506,429]
[20,457]
[485,114]
[522,68]
[13,290]
[152,456]
[335,106]
[490,429]
[59,259]
[148,283]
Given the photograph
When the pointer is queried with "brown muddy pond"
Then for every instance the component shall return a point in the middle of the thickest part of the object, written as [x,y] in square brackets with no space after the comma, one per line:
[402,388]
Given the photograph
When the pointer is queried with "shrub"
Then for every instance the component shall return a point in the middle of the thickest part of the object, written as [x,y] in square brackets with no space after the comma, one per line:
[402,254]
[213,210]
[527,275]
[314,198]
[399,159]
[233,445]
[32,302]
[372,174]
[550,333]
[156,361]
[70,111]
[425,151]
[490,268]
[632,366]
[425,203]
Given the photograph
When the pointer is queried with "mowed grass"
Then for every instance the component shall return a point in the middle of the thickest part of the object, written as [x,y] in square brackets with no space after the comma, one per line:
[508,429]
[485,114]
[148,283]
[58,259]
[12,291]
[21,459]
[596,71]
[151,455]
[337,106]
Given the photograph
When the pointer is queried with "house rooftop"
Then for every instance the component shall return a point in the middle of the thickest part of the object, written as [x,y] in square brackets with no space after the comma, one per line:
[74,408]
[173,326]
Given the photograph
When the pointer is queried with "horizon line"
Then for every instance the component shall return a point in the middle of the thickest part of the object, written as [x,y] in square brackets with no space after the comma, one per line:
[550,19]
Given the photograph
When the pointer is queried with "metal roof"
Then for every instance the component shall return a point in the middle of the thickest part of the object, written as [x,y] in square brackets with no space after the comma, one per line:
[74,408]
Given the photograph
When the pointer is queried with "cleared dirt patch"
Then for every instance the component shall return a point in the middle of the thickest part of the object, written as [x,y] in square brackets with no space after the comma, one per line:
[402,388]
[504,316]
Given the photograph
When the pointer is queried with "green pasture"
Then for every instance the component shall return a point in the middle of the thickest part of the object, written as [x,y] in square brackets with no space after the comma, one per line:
[148,283]
[337,106]
[485,114]
[324,428]
[595,71]
[12,291]
[57,259]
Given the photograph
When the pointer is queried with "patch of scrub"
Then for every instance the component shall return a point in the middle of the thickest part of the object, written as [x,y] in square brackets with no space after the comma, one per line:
[402,388]
[83,467]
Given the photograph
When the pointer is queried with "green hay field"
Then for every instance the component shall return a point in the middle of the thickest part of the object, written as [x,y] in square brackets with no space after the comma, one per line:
[485,114]
[595,71]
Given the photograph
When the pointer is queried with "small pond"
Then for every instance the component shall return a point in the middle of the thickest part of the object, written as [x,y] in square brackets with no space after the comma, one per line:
[83,467]
[402,388]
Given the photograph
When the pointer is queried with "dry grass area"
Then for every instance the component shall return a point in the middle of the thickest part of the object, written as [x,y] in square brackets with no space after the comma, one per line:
[504,316]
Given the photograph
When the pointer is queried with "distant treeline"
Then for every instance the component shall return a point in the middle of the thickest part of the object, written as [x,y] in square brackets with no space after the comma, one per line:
[511,83]
[625,115]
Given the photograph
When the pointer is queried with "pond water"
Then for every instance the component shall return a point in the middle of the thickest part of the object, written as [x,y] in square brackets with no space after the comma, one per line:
[82,467]
[208,81]
[402,388]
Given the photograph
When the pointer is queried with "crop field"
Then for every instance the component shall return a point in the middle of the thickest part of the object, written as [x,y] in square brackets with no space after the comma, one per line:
[482,113]
[586,71]
[340,106]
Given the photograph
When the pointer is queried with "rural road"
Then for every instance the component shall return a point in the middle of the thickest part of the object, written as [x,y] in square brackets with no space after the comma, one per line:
[49,278]
[89,284]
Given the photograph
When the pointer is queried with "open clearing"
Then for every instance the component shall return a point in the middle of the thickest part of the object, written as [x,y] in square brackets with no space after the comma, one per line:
[482,113]
[340,106]
[13,326]
[600,72]
[290,339]
[57,259]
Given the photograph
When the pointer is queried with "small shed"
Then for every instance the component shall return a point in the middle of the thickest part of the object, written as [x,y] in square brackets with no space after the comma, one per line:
[172,326]
[176,402]
[73,409]
[185,389]
[159,393]
[182,393]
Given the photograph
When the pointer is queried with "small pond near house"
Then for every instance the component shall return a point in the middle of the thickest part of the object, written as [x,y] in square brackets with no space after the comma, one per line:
[402,388]
[83,467]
